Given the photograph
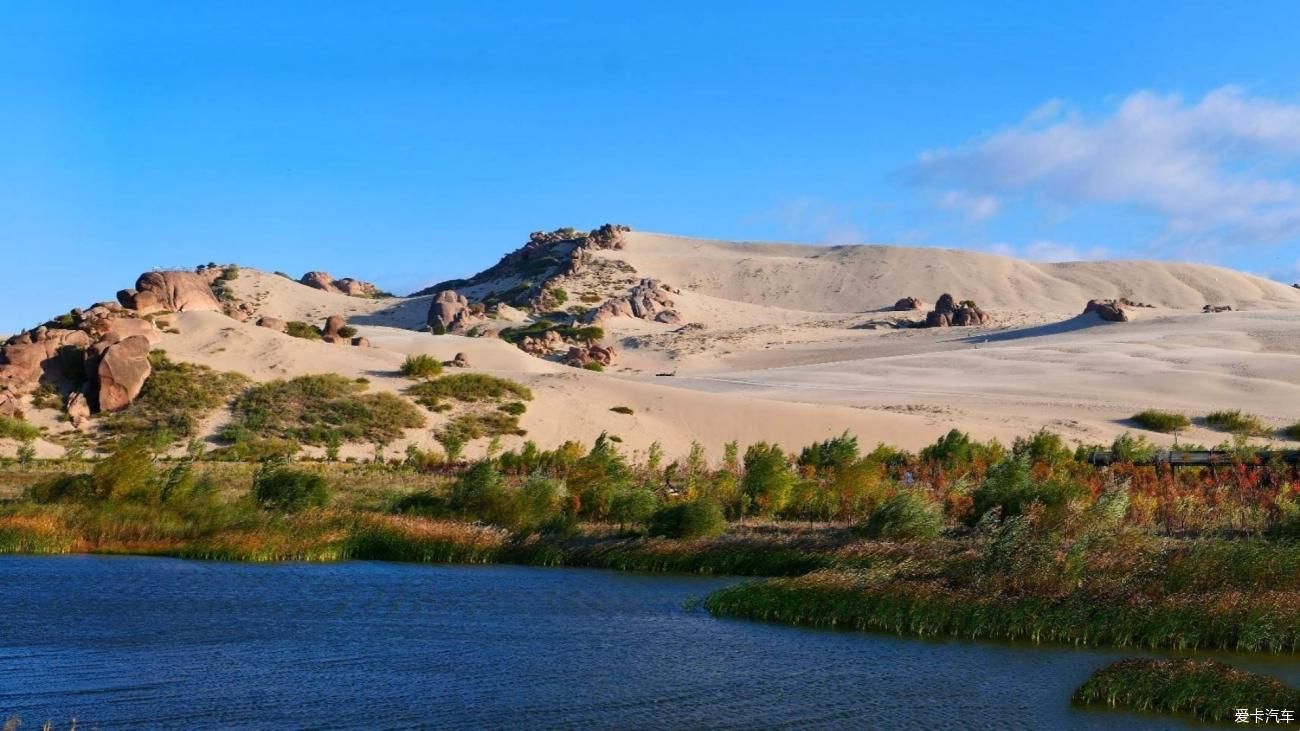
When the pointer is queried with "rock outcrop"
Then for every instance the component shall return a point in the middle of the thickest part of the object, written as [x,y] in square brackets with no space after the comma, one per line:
[171,291]
[542,345]
[347,285]
[1108,310]
[119,370]
[907,304]
[451,312]
[949,313]
[460,361]
[648,300]
[1211,309]
[333,330]
[581,356]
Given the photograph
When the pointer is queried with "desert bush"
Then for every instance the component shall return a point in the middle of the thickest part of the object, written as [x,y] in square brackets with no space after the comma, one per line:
[63,488]
[516,408]
[904,517]
[347,331]
[314,409]
[126,473]
[277,486]
[1236,422]
[1010,487]
[12,428]
[469,387]
[300,329]
[694,519]
[1292,432]
[626,410]
[594,366]
[467,427]
[175,398]
[1043,447]
[421,366]
[632,506]
[1165,422]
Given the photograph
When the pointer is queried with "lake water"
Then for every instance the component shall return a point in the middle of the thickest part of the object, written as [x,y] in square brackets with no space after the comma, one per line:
[162,643]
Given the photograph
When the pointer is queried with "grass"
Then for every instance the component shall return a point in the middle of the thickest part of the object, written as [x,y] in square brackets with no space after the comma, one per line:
[626,410]
[471,426]
[1292,432]
[421,367]
[1165,422]
[300,329]
[1236,422]
[12,428]
[175,399]
[469,388]
[1209,690]
[319,409]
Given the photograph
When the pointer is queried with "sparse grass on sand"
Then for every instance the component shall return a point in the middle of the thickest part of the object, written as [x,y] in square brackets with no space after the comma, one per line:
[1165,422]
[1236,422]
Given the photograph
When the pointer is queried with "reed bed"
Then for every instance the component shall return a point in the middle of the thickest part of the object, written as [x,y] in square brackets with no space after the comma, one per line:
[1209,690]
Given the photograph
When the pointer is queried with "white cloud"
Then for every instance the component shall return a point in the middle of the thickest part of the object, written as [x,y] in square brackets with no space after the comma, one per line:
[1221,169]
[974,207]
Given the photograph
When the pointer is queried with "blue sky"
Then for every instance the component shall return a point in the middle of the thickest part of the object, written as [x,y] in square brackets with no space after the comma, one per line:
[406,143]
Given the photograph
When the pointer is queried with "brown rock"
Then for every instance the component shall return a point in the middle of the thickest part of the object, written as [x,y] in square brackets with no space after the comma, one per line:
[948,313]
[460,361]
[273,323]
[334,324]
[121,328]
[451,312]
[121,369]
[360,343]
[908,304]
[349,286]
[175,291]
[1108,310]
[581,356]
[1211,309]
[44,352]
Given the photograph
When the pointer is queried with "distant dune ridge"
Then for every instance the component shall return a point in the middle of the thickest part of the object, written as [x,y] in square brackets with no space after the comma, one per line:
[789,343]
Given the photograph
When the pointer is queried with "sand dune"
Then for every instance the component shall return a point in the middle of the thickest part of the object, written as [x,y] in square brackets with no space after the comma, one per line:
[863,278]
[793,344]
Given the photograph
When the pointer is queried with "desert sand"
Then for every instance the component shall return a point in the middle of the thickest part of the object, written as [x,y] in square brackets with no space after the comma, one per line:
[792,343]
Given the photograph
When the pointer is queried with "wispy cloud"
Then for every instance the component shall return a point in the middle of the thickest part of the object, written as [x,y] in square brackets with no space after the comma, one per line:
[973,206]
[1219,170]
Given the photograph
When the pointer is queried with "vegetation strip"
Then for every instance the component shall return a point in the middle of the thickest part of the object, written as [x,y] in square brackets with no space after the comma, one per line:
[1209,690]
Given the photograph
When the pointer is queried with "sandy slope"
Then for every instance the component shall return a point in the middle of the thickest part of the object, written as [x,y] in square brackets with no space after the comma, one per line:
[792,344]
[862,278]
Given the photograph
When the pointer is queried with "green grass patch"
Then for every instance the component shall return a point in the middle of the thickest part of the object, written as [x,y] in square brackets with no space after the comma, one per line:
[1292,432]
[469,388]
[1236,422]
[300,329]
[1165,422]
[174,400]
[319,409]
[421,367]
[12,428]
[1207,689]
[468,427]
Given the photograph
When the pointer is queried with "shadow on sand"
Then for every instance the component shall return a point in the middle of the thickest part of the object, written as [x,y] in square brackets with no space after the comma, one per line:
[1074,324]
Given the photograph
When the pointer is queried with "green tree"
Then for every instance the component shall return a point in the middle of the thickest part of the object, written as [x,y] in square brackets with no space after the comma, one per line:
[768,478]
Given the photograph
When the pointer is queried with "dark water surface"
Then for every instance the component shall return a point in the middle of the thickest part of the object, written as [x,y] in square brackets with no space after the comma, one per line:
[162,643]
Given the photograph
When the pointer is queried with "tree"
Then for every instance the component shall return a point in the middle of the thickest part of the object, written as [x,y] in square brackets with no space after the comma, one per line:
[768,478]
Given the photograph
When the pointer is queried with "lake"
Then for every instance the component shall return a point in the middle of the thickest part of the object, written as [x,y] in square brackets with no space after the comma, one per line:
[129,642]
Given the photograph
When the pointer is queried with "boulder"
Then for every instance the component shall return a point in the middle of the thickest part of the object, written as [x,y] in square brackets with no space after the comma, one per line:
[1108,310]
[121,328]
[175,291]
[460,361]
[347,285]
[580,356]
[669,317]
[120,368]
[542,345]
[44,352]
[907,304]
[1211,309]
[645,301]
[334,324]
[273,323]
[360,343]
[78,408]
[451,312]
[11,405]
[948,313]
